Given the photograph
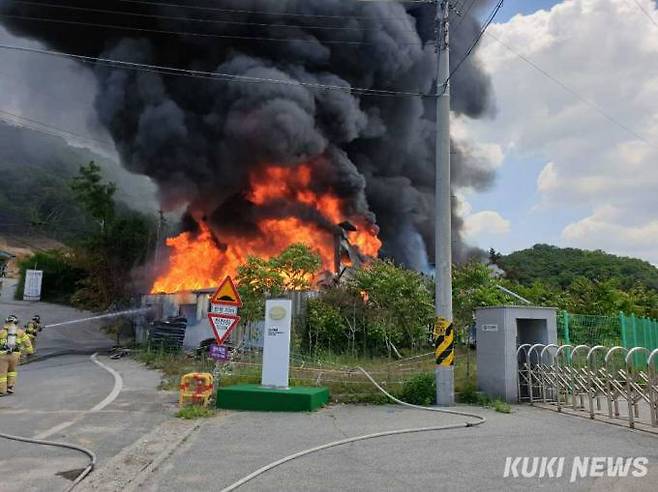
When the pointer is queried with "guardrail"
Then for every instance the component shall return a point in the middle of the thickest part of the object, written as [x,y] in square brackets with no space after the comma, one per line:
[582,378]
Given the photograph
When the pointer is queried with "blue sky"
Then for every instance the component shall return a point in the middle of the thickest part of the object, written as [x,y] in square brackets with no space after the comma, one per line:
[514,192]
[513,7]
[569,176]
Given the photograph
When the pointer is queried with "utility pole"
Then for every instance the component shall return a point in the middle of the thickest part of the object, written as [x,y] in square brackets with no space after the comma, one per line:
[443,335]
[158,238]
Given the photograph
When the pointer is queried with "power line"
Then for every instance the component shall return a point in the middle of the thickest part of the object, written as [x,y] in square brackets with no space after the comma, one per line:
[197,34]
[50,129]
[465,13]
[259,12]
[493,14]
[574,93]
[227,77]
[646,13]
[191,19]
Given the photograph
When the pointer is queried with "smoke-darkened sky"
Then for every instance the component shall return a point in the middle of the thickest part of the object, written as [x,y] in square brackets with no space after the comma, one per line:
[198,138]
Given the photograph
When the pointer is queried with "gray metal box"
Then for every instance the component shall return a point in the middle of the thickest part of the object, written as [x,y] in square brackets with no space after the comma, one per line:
[499,331]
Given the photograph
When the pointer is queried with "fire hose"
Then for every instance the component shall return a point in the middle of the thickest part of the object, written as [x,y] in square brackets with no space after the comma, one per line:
[90,454]
[479,420]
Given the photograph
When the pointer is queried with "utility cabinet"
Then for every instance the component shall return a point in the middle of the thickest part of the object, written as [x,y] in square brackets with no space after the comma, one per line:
[500,330]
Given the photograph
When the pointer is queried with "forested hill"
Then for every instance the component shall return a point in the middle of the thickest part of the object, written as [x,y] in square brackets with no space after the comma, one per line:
[35,172]
[560,266]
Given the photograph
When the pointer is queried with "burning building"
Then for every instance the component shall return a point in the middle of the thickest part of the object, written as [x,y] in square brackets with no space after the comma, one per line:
[269,122]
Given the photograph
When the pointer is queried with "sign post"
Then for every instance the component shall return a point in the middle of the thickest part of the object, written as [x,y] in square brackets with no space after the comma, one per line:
[223,315]
[276,343]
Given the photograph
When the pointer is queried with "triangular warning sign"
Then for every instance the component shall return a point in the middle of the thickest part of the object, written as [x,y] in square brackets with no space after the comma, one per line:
[222,325]
[227,294]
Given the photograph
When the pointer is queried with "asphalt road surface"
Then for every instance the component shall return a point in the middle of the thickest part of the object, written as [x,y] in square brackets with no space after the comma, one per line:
[97,403]
[232,445]
[114,409]
[83,338]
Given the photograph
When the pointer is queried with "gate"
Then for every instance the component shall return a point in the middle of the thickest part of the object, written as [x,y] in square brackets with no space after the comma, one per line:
[619,382]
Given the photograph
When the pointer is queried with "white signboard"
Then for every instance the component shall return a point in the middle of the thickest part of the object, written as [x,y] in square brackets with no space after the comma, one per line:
[33,279]
[276,343]
[223,309]
[489,327]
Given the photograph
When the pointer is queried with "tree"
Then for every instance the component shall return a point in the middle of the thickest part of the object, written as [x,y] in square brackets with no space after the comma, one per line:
[293,269]
[297,265]
[96,197]
[473,285]
[494,256]
[120,244]
[400,302]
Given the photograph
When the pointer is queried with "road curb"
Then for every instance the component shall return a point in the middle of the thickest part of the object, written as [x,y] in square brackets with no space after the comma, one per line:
[135,464]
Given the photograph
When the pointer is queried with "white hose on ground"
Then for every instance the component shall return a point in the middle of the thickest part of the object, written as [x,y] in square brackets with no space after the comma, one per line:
[266,468]
[65,445]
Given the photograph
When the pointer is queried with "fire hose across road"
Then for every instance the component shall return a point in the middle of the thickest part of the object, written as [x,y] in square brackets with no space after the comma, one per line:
[476,420]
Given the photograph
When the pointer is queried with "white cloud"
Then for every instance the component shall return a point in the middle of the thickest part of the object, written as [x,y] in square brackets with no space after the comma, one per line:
[485,223]
[547,179]
[606,226]
[480,226]
[607,52]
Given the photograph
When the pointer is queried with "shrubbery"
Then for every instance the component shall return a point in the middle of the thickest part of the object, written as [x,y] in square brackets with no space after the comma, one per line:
[61,277]
[381,310]
[419,390]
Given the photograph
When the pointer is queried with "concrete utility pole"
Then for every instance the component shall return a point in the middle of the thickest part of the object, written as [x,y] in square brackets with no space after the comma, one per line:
[443,330]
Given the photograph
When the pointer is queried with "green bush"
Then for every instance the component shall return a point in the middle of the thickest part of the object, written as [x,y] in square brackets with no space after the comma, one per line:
[60,276]
[419,390]
[471,396]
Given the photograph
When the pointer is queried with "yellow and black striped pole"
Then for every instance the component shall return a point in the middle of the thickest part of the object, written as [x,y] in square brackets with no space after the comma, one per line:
[444,342]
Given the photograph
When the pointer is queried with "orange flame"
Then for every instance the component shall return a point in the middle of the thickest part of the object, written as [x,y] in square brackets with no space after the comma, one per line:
[198,261]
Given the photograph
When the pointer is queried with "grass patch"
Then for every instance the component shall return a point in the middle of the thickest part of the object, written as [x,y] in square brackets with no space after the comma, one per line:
[191,412]
[410,380]
[471,396]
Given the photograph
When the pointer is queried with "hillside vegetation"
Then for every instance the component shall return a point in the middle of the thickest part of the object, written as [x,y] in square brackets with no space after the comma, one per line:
[560,267]
[35,197]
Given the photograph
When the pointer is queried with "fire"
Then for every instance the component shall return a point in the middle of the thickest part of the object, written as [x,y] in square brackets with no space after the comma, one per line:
[198,261]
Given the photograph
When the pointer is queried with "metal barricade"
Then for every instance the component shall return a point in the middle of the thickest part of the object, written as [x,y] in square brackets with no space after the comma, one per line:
[580,378]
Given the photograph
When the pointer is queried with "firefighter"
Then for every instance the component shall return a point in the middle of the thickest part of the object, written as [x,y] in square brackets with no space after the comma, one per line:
[13,341]
[33,328]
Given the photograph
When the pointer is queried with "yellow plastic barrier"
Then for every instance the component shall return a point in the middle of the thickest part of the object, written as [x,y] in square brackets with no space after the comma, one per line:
[195,388]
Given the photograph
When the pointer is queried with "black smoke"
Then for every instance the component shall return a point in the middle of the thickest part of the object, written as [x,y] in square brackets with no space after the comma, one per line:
[199,139]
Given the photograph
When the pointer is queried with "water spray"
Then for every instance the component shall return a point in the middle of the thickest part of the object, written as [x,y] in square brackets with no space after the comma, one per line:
[101,316]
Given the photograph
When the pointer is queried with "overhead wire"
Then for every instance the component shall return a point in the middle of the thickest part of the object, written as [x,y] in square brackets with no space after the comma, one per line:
[468,52]
[188,33]
[53,129]
[212,75]
[465,13]
[573,92]
[192,19]
[259,12]
[646,13]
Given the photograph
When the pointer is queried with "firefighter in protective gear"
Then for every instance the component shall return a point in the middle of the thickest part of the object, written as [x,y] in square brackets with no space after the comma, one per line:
[33,328]
[13,341]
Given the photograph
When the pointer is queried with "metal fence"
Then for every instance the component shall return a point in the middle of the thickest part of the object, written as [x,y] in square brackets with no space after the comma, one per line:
[583,378]
[625,330]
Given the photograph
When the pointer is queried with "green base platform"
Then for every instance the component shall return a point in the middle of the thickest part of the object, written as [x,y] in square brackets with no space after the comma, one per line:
[260,398]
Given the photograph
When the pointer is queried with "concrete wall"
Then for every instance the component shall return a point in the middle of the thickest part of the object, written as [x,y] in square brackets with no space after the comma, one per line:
[499,331]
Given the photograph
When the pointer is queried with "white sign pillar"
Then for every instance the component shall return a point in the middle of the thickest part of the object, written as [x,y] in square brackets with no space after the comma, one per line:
[32,289]
[276,343]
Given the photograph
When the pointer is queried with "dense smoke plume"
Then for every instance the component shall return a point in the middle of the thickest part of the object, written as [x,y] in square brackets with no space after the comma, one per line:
[199,139]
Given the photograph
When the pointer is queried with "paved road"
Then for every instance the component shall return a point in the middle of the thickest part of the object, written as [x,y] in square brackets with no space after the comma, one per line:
[233,445]
[55,396]
[79,337]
